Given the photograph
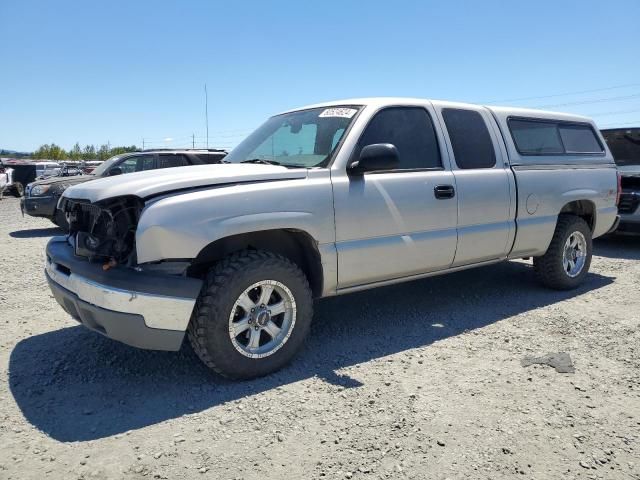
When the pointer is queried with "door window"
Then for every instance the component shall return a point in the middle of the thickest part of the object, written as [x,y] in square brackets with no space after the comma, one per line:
[411,130]
[130,165]
[136,164]
[169,161]
[470,139]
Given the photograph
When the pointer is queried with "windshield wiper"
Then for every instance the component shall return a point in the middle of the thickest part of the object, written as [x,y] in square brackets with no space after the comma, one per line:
[273,162]
[261,160]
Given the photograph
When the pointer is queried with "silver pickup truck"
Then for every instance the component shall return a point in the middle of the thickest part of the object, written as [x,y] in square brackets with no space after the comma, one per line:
[325,200]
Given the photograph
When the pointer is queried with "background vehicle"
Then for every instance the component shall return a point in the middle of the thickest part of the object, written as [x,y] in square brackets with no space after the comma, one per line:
[4,180]
[47,169]
[41,197]
[326,200]
[624,144]
[20,173]
[90,165]
[64,169]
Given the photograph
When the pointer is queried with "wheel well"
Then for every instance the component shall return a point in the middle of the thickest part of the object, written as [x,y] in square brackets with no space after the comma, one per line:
[296,245]
[584,209]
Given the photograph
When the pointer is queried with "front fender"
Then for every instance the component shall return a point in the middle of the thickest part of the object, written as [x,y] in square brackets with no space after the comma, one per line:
[180,226]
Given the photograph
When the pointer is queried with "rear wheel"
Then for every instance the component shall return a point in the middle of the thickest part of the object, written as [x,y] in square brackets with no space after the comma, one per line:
[252,316]
[567,261]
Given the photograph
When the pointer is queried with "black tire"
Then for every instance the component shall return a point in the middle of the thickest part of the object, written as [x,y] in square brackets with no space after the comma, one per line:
[549,267]
[17,190]
[60,220]
[208,330]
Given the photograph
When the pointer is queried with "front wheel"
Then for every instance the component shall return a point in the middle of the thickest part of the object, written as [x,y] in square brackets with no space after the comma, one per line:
[252,315]
[567,261]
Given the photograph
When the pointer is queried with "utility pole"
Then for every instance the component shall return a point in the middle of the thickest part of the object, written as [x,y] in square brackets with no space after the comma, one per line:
[193,140]
[206,112]
[143,143]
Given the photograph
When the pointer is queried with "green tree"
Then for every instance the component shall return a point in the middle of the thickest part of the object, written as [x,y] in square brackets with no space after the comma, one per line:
[103,152]
[89,152]
[50,152]
[76,152]
[120,150]
[41,152]
[56,152]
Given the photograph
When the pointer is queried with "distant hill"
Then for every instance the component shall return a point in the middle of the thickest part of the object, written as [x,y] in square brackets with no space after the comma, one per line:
[14,153]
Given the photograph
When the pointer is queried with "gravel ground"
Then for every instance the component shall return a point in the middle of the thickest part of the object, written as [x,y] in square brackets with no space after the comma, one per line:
[421,380]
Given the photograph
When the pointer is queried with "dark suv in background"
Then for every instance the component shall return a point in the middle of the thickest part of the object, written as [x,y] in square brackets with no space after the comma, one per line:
[624,144]
[41,197]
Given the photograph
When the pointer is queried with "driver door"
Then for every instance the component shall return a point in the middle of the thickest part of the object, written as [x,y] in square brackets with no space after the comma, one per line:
[396,223]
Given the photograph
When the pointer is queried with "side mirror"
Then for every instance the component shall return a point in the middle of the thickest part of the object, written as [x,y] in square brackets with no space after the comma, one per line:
[115,171]
[378,156]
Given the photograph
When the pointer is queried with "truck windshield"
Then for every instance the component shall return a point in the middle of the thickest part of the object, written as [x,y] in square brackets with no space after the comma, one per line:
[624,145]
[305,138]
[106,165]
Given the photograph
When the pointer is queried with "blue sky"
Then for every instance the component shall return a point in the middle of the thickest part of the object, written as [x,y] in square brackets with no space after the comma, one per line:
[121,71]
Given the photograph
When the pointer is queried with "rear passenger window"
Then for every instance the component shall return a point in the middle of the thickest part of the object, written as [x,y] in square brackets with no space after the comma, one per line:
[539,137]
[411,131]
[168,161]
[470,139]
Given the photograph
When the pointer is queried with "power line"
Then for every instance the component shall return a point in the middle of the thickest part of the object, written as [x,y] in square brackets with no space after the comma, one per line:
[619,112]
[585,102]
[566,94]
[218,134]
[636,122]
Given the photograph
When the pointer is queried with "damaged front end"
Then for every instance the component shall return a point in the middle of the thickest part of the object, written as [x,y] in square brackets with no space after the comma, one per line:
[104,231]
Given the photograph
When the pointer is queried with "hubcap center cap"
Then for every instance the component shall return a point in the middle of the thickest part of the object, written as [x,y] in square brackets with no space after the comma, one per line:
[261,317]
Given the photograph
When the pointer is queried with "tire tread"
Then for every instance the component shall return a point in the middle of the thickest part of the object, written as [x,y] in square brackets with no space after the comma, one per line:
[547,266]
[214,288]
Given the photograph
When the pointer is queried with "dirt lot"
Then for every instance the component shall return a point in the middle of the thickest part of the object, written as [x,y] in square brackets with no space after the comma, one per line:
[421,380]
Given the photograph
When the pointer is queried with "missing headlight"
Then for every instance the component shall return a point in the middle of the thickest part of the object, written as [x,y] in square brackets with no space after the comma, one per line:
[104,230]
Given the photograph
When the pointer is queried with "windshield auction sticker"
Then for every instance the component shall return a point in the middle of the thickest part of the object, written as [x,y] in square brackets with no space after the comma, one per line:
[338,112]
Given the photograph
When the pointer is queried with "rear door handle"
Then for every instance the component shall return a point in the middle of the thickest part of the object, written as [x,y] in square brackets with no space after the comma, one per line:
[444,191]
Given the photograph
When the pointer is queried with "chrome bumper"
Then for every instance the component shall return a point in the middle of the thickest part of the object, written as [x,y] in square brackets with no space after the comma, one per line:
[168,313]
[123,290]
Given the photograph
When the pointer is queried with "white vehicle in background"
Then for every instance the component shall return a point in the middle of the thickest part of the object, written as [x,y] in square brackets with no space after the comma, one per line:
[4,179]
[47,169]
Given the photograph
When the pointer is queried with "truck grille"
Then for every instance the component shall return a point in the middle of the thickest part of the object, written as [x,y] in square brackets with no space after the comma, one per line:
[628,203]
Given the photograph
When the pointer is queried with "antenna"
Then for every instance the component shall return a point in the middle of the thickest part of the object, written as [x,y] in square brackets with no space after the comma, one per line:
[206,111]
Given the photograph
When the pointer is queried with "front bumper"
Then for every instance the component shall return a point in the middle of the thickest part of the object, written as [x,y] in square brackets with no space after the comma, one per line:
[145,310]
[39,206]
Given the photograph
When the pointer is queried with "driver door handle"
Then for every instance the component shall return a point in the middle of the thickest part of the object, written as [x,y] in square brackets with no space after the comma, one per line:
[442,192]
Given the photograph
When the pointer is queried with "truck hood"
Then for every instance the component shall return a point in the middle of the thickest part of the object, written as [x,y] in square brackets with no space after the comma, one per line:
[157,182]
[73,180]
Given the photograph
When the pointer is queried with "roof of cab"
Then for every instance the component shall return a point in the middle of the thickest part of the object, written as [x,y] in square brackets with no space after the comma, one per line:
[396,101]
